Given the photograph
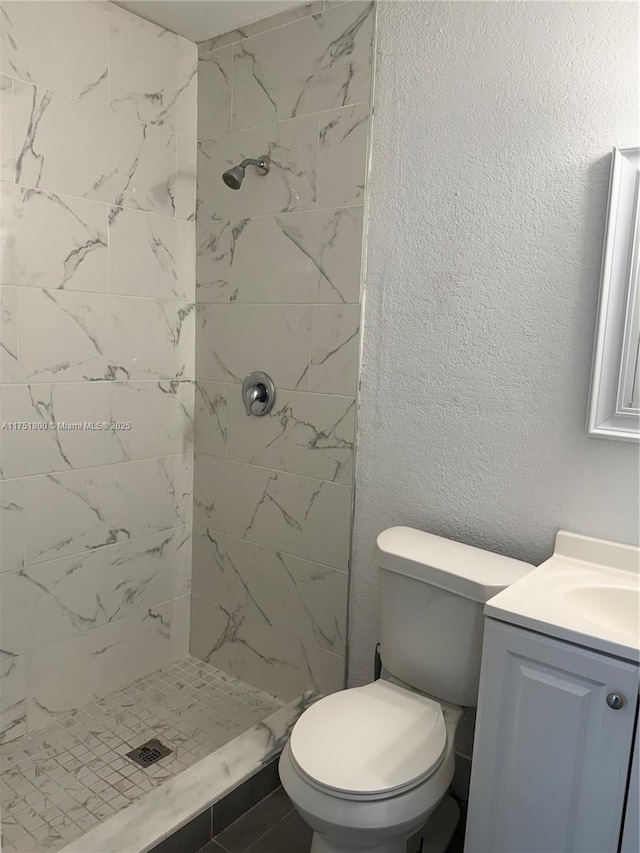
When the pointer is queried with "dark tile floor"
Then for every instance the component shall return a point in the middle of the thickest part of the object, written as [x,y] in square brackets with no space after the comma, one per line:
[273,826]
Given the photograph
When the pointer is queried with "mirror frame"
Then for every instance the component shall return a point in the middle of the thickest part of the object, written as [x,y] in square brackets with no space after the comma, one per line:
[613,355]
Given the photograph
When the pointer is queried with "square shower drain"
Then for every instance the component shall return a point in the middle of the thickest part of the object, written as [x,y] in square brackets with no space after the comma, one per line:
[149,753]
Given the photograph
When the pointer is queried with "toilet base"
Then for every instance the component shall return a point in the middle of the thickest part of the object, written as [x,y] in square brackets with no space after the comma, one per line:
[321,845]
[436,835]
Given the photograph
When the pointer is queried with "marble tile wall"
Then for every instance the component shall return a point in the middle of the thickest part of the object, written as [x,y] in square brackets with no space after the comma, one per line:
[97,312]
[278,288]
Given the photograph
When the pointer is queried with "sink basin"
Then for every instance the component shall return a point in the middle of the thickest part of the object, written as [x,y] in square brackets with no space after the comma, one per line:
[588,593]
[616,608]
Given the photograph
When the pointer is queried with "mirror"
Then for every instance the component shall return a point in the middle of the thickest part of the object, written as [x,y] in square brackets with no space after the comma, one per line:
[614,406]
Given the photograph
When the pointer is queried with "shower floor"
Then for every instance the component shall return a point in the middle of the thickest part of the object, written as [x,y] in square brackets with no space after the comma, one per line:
[61,781]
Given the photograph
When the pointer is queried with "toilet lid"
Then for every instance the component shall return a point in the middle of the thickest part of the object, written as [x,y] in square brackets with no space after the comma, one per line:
[370,740]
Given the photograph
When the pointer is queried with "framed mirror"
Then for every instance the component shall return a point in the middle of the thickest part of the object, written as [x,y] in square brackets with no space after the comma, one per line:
[614,405]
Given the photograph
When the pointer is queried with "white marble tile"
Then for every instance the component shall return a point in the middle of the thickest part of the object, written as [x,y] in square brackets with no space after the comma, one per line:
[63,46]
[51,601]
[67,146]
[213,261]
[185,189]
[212,417]
[6,128]
[9,353]
[310,434]
[122,14]
[313,256]
[218,42]
[301,516]
[70,235]
[290,185]
[328,64]
[335,349]
[298,596]
[254,652]
[45,448]
[13,696]
[82,668]
[342,156]
[151,255]
[232,340]
[155,817]
[215,72]
[76,511]
[72,336]
[261,26]
[153,78]
[11,524]
[161,416]
[321,671]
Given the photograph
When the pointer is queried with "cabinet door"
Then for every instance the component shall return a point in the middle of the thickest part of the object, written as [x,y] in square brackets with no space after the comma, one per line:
[631,827]
[551,758]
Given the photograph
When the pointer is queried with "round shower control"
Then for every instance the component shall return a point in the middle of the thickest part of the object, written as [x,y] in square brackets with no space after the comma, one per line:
[258,394]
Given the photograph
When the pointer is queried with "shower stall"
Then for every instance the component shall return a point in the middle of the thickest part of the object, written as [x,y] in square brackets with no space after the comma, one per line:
[174,569]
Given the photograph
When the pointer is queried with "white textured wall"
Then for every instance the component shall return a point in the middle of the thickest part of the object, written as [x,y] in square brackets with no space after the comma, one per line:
[491,137]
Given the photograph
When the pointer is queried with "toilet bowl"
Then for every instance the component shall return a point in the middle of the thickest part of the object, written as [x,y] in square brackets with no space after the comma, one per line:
[367,767]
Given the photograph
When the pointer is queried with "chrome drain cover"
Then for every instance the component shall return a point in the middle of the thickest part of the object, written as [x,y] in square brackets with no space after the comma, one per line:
[149,753]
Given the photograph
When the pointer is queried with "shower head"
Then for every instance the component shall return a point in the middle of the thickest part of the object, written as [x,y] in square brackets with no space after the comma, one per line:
[234,177]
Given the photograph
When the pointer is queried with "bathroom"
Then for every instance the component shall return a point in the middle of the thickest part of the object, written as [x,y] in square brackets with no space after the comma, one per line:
[190,556]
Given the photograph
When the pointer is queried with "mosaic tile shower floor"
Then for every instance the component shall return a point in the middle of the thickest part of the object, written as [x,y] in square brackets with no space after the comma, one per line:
[61,781]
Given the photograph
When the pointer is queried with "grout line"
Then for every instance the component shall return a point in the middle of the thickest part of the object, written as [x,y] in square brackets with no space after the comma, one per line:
[299,212]
[253,466]
[89,631]
[110,204]
[321,12]
[248,812]
[266,548]
[284,120]
[102,107]
[157,299]
[233,78]
[277,629]
[265,834]
[97,201]
[105,465]
[235,385]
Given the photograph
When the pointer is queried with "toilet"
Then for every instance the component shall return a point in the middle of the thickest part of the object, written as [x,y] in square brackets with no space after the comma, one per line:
[368,767]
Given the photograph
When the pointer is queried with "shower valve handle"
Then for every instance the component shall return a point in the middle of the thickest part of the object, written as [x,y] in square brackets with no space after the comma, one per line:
[258,394]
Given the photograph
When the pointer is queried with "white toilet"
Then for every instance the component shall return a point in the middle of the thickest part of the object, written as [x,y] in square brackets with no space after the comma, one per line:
[368,767]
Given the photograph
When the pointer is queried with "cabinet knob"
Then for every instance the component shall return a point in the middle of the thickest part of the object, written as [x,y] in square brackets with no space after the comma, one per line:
[615,701]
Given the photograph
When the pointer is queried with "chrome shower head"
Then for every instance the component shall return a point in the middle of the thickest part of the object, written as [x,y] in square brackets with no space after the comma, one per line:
[234,177]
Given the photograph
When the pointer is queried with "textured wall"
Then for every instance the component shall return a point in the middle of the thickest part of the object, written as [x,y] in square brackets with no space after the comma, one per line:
[97,283]
[278,289]
[491,141]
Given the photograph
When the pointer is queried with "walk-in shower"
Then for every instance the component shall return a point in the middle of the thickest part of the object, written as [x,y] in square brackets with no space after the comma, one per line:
[173,574]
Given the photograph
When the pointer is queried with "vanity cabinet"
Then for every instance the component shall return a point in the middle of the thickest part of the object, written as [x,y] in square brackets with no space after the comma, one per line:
[551,759]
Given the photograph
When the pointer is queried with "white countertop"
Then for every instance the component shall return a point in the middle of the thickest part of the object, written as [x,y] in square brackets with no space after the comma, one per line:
[587,593]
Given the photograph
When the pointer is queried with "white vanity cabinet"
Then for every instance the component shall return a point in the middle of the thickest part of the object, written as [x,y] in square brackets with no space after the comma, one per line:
[551,760]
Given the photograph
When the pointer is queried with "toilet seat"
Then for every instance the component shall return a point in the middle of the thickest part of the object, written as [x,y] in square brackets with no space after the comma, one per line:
[369,742]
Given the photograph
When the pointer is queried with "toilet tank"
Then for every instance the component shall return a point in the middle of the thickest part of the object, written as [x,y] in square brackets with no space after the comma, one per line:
[432,595]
